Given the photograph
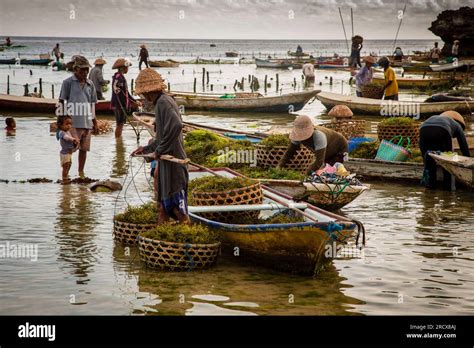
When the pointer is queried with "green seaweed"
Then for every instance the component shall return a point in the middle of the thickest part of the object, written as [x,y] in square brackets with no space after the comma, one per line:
[276,140]
[143,214]
[366,150]
[181,233]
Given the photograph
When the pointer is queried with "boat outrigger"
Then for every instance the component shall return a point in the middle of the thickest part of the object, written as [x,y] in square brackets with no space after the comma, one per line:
[293,247]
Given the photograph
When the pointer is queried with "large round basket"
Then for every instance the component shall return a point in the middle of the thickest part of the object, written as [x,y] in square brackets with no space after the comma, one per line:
[177,256]
[270,158]
[127,233]
[387,132]
[348,128]
[372,91]
[252,194]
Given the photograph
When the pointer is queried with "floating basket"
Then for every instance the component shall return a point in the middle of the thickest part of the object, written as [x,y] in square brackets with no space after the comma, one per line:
[270,158]
[252,194]
[348,128]
[127,233]
[388,132]
[177,256]
[372,91]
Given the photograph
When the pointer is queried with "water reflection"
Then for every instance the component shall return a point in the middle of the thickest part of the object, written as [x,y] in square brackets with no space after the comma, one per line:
[119,162]
[233,289]
[75,223]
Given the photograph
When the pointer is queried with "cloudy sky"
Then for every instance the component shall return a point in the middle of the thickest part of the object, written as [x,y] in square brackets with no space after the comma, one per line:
[220,19]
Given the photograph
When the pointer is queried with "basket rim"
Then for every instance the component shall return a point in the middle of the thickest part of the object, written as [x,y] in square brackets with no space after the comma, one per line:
[416,124]
[177,243]
[227,192]
[132,223]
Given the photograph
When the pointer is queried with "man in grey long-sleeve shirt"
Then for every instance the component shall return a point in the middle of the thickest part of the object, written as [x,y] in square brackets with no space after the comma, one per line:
[436,134]
[172,177]
[97,77]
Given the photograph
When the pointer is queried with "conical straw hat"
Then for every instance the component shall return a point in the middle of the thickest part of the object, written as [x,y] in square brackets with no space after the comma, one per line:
[149,80]
[456,116]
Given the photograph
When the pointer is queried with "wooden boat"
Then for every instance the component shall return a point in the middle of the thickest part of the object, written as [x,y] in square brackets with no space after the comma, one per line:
[273,64]
[244,103]
[232,54]
[293,247]
[462,65]
[413,82]
[169,63]
[382,170]
[43,105]
[329,197]
[334,67]
[461,167]
[367,106]
[14,61]
[298,54]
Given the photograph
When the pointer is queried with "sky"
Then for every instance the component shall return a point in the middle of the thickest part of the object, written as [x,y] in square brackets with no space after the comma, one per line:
[221,19]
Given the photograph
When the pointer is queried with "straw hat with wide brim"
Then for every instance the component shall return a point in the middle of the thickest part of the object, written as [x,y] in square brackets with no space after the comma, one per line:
[148,80]
[121,62]
[341,111]
[456,116]
[100,61]
[369,59]
[302,129]
[78,62]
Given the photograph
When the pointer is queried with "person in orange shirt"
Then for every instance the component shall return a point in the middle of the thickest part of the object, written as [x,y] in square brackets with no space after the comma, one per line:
[391,85]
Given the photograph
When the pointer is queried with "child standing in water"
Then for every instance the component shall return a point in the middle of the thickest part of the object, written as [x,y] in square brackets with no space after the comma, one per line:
[68,143]
[11,126]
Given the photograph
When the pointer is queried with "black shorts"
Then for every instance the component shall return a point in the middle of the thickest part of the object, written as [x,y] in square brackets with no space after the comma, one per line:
[120,116]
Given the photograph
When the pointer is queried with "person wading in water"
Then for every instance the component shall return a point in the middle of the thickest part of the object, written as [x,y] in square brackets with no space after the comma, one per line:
[173,178]
[122,101]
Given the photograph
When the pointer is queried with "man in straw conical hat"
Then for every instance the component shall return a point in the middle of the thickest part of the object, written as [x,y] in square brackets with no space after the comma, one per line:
[328,146]
[172,177]
[122,101]
[97,77]
[436,134]
[143,57]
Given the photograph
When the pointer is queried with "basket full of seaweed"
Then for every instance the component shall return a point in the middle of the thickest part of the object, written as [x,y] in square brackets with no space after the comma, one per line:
[272,150]
[406,127]
[372,91]
[213,190]
[179,247]
[132,221]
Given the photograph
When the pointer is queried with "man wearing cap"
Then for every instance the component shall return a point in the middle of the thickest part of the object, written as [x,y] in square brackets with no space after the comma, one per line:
[436,134]
[172,177]
[97,77]
[143,57]
[78,98]
[365,75]
[328,146]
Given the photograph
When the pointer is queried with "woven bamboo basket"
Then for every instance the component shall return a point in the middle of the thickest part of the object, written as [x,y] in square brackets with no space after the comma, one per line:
[270,158]
[127,233]
[387,132]
[252,194]
[177,256]
[348,128]
[372,91]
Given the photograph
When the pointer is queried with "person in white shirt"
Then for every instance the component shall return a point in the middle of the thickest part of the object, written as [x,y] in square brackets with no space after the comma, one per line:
[308,72]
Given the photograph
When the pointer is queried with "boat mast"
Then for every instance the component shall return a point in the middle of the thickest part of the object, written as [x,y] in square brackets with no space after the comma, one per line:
[344,28]
[400,16]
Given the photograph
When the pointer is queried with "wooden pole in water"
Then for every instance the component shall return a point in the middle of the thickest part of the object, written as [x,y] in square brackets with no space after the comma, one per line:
[203,76]
[265,84]
[277,82]
[52,91]
[40,86]
[8,84]
[26,90]
[194,85]
[207,76]
[169,87]
[131,86]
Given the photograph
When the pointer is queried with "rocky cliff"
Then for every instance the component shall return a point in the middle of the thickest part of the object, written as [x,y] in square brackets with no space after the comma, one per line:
[456,25]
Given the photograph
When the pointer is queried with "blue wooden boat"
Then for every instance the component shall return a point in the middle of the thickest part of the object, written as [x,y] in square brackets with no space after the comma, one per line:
[300,248]
[13,61]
